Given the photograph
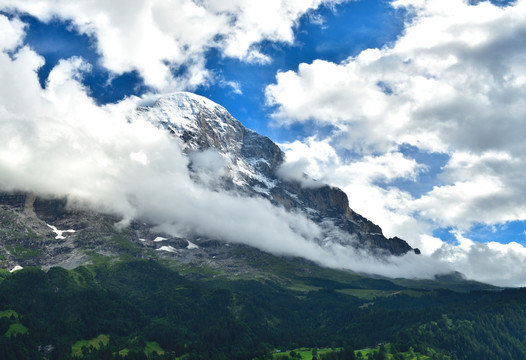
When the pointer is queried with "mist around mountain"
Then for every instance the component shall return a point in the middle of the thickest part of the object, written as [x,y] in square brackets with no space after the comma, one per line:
[182,167]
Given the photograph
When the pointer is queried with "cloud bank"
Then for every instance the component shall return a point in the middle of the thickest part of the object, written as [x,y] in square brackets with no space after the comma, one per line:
[451,85]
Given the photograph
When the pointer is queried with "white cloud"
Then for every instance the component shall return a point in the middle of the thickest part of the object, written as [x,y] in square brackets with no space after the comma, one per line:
[452,83]
[494,263]
[11,33]
[368,182]
[156,37]
[234,86]
[296,171]
[209,167]
[444,92]
[310,157]
[384,168]
[361,179]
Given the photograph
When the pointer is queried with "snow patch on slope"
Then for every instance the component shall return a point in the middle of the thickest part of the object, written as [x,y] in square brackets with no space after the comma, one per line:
[60,233]
[16,268]
[191,245]
[168,249]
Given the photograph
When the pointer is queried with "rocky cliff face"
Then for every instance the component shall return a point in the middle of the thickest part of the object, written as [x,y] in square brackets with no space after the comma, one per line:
[48,232]
[253,161]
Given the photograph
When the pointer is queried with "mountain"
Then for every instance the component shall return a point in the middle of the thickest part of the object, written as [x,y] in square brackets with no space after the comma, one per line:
[45,232]
[253,163]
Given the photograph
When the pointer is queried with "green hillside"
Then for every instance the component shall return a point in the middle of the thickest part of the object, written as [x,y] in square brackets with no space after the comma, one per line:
[148,310]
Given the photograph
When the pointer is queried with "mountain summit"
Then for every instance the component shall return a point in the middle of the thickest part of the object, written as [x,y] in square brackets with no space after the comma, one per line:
[223,157]
[253,162]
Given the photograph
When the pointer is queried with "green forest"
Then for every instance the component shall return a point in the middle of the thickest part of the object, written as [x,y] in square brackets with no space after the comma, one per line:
[144,309]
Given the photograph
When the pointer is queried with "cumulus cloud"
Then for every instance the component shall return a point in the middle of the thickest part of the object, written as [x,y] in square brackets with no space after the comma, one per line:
[495,263]
[310,157]
[158,38]
[363,179]
[12,33]
[453,83]
[481,187]
[315,156]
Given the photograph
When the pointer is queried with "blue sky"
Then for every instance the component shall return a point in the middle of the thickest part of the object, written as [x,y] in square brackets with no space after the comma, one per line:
[413,107]
[345,30]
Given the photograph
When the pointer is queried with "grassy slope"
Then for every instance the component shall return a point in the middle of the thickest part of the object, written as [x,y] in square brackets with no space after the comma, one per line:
[15,329]
[101,340]
[9,314]
[286,280]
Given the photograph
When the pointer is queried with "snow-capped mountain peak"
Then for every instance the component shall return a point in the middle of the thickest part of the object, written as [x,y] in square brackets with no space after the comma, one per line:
[247,163]
[198,121]
[204,128]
